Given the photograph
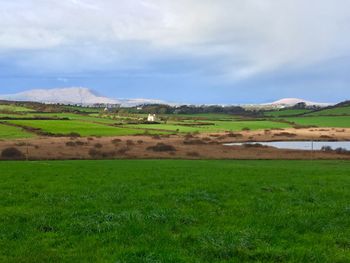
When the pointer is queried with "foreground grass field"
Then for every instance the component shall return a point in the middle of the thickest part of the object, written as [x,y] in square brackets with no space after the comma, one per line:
[175,211]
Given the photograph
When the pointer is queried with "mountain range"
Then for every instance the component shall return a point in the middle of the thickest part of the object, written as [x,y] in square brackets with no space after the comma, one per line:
[72,95]
[87,97]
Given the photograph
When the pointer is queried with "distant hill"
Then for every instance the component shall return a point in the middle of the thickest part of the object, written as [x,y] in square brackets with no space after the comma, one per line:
[290,102]
[72,95]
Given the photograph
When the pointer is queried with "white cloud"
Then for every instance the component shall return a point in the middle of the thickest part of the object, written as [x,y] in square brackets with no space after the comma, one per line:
[250,36]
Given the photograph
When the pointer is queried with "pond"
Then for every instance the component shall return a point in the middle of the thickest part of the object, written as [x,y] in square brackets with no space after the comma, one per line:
[300,145]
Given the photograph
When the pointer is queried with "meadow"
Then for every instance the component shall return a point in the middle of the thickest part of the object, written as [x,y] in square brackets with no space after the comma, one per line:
[96,122]
[14,108]
[175,211]
[332,112]
[286,112]
[214,126]
[82,128]
[322,121]
[10,132]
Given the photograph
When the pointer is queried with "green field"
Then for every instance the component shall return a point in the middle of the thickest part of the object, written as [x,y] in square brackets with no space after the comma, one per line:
[322,121]
[218,126]
[76,126]
[13,108]
[10,132]
[175,211]
[332,112]
[94,122]
[288,112]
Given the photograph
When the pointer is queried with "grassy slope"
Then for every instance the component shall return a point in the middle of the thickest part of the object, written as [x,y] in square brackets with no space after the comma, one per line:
[333,111]
[14,108]
[322,121]
[289,112]
[175,211]
[8,132]
[81,127]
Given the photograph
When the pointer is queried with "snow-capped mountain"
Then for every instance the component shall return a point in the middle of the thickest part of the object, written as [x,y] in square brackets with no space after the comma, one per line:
[73,95]
[293,101]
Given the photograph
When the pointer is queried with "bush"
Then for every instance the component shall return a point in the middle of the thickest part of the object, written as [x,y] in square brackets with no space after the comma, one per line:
[286,134]
[326,149]
[193,154]
[234,135]
[254,145]
[130,143]
[94,153]
[74,134]
[70,144]
[80,143]
[98,145]
[341,151]
[116,141]
[194,142]
[161,147]
[12,154]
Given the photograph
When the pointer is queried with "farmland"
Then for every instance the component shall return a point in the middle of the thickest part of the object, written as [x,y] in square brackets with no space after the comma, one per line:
[286,112]
[337,111]
[73,126]
[10,132]
[65,120]
[175,211]
[322,121]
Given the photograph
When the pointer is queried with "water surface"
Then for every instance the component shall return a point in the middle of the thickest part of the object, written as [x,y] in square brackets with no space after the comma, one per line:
[300,145]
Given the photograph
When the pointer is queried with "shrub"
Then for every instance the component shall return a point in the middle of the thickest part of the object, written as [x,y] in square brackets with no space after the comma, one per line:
[254,145]
[193,154]
[94,153]
[130,143]
[116,141]
[234,135]
[326,149]
[341,151]
[98,145]
[70,144]
[74,134]
[123,150]
[188,136]
[194,142]
[161,147]
[286,134]
[246,129]
[12,153]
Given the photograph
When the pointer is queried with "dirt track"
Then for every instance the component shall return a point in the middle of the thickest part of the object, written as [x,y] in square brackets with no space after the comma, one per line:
[201,146]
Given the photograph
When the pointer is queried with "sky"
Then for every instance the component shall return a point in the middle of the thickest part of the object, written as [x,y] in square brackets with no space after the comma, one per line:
[191,51]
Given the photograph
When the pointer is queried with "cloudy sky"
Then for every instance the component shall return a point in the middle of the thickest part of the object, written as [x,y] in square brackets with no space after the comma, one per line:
[200,51]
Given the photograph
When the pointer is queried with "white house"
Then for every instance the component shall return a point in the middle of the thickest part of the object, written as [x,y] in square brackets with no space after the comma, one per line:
[152,118]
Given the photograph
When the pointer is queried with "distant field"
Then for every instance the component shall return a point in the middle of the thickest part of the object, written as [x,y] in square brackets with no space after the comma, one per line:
[81,127]
[218,126]
[322,121]
[175,211]
[279,113]
[9,132]
[334,111]
[14,108]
